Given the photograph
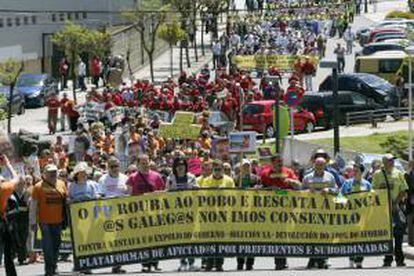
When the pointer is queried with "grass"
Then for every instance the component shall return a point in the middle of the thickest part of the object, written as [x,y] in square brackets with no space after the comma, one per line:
[369,144]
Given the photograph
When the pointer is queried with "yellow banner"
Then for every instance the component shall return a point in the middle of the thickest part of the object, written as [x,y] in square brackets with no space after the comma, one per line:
[228,222]
[282,62]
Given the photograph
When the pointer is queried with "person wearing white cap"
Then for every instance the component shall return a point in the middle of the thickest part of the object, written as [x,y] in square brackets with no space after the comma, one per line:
[82,189]
[393,179]
[46,207]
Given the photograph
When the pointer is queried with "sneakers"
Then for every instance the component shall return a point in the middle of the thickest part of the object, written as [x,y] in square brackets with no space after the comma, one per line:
[358,265]
[118,270]
[402,264]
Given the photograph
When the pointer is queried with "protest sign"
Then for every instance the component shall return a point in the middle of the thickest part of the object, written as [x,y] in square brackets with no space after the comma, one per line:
[220,148]
[228,222]
[182,127]
[282,62]
[244,141]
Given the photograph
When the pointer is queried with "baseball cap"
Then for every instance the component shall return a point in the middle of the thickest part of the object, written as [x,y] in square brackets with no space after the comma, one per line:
[51,168]
[388,157]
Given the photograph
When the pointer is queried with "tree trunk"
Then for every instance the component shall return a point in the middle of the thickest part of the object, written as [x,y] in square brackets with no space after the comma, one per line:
[72,71]
[9,107]
[128,60]
[142,52]
[187,53]
[195,40]
[171,60]
[151,64]
[181,56]
[202,36]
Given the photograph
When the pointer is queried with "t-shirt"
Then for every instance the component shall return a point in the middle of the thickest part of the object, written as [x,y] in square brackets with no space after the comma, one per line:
[145,183]
[211,182]
[396,181]
[50,201]
[6,190]
[274,179]
[353,185]
[83,192]
[312,181]
[113,187]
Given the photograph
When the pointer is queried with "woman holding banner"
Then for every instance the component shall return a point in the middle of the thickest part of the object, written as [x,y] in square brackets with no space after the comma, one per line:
[181,179]
[353,185]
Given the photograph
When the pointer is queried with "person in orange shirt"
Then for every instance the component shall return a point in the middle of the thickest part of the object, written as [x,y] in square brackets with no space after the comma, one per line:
[6,190]
[48,200]
[53,105]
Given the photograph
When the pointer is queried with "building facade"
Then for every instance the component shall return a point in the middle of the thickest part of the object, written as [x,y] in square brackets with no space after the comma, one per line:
[26,26]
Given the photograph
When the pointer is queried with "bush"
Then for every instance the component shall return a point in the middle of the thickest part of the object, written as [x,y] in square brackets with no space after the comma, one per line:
[397,145]
[400,14]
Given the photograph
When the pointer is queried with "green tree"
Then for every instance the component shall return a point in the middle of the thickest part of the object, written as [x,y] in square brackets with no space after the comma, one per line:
[215,8]
[74,40]
[9,72]
[172,33]
[147,17]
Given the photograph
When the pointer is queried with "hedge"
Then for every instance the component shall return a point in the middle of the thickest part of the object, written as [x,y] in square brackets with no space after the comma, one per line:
[400,14]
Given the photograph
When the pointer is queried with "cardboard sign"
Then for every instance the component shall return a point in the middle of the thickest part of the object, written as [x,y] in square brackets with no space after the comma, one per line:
[244,141]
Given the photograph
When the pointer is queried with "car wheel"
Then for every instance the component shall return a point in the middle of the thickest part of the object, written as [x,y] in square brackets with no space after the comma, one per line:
[22,110]
[270,132]
[309,127]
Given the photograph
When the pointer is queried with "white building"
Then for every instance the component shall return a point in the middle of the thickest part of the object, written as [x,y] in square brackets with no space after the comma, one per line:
[27,25]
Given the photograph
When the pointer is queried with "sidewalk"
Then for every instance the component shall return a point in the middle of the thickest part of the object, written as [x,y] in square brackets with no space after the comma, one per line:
[408,251]
[383,8]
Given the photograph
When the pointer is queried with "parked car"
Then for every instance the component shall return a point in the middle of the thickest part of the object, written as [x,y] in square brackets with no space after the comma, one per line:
[321,104]
[35,87]
[18,104]
[371,86]
[378,32]
[258,116]
[389,36]
[379,47]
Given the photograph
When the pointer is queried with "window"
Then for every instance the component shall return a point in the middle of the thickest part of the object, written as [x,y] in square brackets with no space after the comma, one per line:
[26,20]
[85,15]
[17,21]
[69,16]
[34,19]
[77,16]
[9,22]
[251,109]
[358,99]
[53,17]
[389,66]
[62,17]
[1,22]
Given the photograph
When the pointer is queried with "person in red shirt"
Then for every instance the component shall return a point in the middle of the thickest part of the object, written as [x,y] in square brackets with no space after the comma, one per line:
[53,105]
[308,70]
[277,176]
[63,112]
[297,68]
[96,70]
[274,71]
[63,73]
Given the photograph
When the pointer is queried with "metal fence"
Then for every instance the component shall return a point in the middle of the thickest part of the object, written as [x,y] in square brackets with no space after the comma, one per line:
[375,116]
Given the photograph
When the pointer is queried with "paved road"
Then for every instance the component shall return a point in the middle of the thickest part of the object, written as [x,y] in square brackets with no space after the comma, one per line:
[263,266]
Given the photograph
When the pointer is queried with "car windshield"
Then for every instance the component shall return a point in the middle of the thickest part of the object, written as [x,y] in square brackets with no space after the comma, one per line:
[28,81]
[376,82]
[250,109]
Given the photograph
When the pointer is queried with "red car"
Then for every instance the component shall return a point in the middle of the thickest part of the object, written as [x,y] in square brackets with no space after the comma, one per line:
[258,116]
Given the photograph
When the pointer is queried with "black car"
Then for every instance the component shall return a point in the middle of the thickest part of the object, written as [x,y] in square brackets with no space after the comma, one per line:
[378,47]
[371,86]
[18,104]
[321,104]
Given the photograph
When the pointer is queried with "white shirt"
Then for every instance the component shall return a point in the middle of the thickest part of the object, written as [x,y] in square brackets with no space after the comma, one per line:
[113,187]
[82,69]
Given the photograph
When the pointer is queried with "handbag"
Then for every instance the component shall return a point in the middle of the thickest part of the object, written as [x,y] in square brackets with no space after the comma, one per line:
[399,218]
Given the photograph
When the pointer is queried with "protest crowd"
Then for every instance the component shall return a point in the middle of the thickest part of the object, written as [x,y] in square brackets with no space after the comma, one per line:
[118,147]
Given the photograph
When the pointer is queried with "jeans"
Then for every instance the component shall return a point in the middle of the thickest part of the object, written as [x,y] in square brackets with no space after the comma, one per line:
[349,45]
[341,65]
[50,246]
[6,243]
[242,260]
[187,261]
[398,252]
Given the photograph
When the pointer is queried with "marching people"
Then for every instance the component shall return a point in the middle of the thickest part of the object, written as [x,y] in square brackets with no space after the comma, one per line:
[63,73]
[409,178]
[46,209]
[393,180]
[53,105]
[323,182]
[340,57]
[181,179]
[356,184]
[7,225]
[143,181]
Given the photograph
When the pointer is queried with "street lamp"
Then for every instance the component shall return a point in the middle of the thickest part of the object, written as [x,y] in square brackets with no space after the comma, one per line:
[334,65]
[410,51]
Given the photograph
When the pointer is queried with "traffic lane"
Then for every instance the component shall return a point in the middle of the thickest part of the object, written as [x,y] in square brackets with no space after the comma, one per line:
[263,266]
